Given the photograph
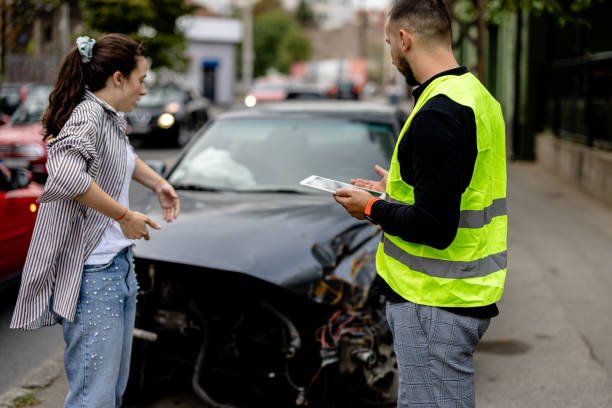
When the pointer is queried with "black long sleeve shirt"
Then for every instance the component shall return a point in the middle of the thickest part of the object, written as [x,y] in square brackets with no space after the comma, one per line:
[436,156]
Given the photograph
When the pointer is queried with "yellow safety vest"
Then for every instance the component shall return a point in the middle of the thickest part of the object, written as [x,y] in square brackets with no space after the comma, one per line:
[472,270]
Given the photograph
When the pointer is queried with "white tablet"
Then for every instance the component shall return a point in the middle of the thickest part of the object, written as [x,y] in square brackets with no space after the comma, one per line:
[329,185]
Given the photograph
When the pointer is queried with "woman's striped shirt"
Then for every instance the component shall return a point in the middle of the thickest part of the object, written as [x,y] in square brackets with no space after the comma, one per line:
[92,146]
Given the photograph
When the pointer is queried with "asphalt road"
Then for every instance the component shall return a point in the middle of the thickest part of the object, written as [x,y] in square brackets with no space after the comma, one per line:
[21,351]
[550,346]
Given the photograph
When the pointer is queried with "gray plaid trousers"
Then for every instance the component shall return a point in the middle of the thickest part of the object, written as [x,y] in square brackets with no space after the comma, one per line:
[434,349]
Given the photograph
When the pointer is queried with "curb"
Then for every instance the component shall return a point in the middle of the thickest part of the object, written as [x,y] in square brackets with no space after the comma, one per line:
[35,381]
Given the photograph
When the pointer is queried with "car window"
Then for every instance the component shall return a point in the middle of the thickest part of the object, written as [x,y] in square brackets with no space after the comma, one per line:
[269,86]
[307,95]
[5,177]
[269,153]
[10,97]
[32,109]
[159,96]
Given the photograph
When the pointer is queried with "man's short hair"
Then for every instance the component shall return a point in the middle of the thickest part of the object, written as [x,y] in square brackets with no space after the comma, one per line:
[428,18]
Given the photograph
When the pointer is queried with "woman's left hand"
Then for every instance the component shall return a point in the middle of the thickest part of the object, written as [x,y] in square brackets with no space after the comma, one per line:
[168,200]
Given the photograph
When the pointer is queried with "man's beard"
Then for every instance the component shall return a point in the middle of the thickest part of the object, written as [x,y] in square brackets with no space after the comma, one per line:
[403,66]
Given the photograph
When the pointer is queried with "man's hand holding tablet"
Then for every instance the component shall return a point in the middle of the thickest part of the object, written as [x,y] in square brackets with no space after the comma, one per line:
[332,186]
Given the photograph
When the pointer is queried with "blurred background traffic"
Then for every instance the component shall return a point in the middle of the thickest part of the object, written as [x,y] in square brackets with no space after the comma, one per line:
[548,62]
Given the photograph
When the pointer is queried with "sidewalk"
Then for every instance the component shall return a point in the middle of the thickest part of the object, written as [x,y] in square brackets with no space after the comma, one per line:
[550,346]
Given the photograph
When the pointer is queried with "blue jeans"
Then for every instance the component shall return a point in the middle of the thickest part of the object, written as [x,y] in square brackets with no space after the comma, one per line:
[434,350]
[99,340]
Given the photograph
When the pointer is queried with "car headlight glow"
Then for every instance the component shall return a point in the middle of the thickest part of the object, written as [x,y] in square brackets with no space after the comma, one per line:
[165,120]
[173,107]
[250,101]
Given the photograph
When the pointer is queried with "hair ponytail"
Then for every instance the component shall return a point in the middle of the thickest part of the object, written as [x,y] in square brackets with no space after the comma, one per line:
[90,63]
[66,94]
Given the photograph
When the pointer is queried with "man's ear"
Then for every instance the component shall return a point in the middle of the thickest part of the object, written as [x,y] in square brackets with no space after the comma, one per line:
[405,40]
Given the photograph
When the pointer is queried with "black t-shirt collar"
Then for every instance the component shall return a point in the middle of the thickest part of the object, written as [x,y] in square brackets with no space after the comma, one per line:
[454,71]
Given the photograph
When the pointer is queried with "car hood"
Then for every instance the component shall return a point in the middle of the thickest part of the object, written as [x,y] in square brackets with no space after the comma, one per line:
[267,236]
[19,134]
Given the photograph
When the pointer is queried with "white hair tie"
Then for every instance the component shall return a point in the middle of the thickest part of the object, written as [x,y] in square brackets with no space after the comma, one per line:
[85,46]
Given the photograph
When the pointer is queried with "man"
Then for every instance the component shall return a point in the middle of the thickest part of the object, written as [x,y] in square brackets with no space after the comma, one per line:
[442,258]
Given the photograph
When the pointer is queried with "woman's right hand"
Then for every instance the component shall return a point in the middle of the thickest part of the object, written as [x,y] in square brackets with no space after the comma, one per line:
[380,185]
[134,225]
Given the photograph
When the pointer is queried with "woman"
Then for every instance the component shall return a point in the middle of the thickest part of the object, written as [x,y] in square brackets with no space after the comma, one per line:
[79,270]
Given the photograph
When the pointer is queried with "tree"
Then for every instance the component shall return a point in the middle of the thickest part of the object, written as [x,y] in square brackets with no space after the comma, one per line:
[304,14]
[478,13]
[16,20]
[153,22]
[278,41]
[266,6]
[295,46]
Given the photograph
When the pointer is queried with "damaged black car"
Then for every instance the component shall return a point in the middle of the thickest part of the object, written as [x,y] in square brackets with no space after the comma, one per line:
[260,293]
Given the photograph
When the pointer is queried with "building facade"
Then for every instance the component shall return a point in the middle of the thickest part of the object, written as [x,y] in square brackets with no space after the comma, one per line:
[212,43]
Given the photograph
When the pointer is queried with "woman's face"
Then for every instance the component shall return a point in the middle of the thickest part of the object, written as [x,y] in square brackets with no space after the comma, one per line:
[132,87]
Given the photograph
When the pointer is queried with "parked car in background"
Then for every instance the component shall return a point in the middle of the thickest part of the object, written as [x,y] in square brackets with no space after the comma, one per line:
[275,91]
[18,209]
[11,95]
[168,114]
[266,90]
[305,91]
[258,295]
[344,89]
[21,143]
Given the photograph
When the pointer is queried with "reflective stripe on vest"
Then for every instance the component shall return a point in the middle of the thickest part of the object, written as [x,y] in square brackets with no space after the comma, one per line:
[441,268]
[476,218]
[480,218]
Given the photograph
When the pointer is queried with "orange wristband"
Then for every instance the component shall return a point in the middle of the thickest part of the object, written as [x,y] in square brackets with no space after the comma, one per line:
[122,215]
[368,208]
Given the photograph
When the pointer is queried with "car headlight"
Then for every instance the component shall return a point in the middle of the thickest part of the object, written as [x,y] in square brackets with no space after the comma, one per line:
[173,107]
[165,120]
[250,101]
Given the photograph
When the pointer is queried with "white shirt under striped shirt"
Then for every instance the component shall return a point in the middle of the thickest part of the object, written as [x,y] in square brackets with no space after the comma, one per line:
[113,240]
[92,146]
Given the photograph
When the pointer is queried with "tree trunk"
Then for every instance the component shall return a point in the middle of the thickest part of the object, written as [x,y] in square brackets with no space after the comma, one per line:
[480,63]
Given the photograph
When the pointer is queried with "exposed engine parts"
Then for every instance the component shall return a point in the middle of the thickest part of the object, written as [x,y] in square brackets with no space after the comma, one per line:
[243,343]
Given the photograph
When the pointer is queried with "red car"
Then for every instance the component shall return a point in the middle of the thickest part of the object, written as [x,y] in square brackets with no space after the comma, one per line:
[21,144]
[18,209]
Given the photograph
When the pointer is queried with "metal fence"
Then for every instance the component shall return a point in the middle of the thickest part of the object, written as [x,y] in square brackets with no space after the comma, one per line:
[579,100]
[23,68]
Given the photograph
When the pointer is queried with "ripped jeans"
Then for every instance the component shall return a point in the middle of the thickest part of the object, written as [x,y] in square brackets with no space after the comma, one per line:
[99,340]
